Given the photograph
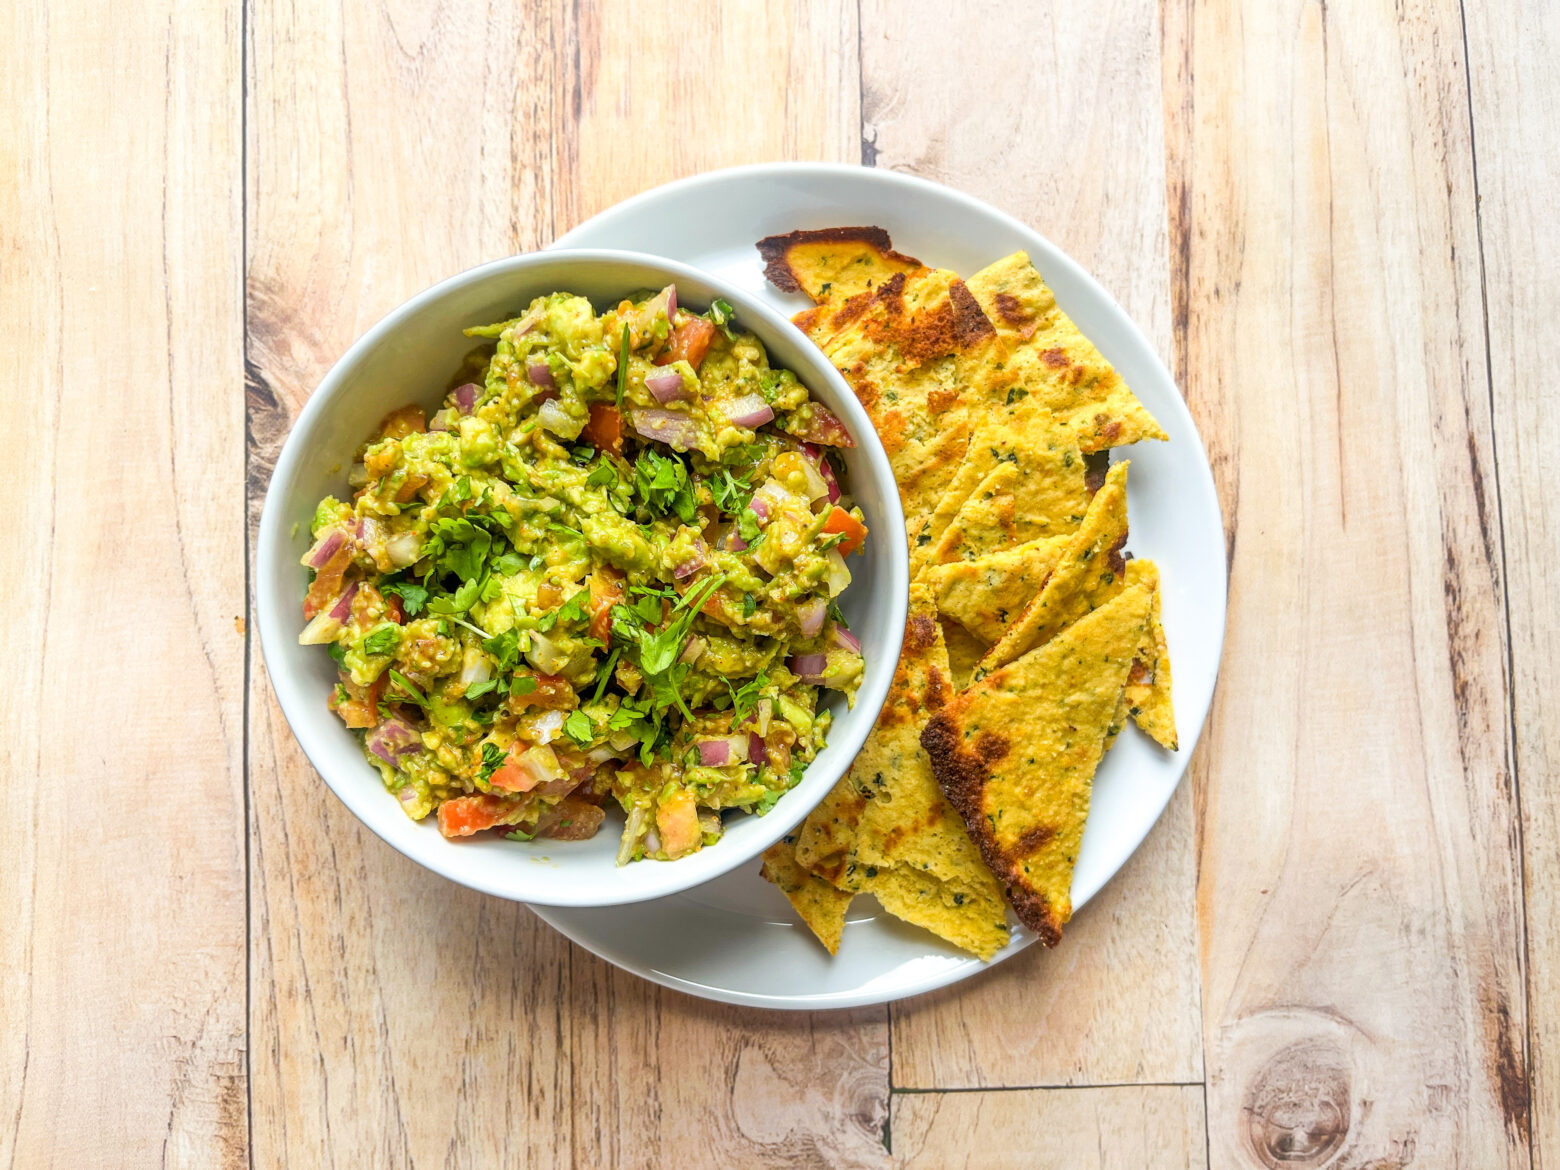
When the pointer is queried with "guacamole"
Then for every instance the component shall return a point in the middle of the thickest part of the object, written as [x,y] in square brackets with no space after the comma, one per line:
[605,569]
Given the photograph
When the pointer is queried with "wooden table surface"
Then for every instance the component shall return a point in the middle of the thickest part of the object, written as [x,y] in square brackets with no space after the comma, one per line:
[1337,222]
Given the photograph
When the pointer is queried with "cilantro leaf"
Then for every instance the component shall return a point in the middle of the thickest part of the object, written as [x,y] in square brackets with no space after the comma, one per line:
[492,757]
[459,601]
[749,605]
[602,475]
[522,684]
[382,639]
[505,649]
[519,835]
[731,491]
[663,485]
[578,727]
[477,690]
[745,698]
[413,596]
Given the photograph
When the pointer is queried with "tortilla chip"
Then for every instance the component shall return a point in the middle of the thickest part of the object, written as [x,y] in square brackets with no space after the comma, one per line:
[964,651]
[929,470]
[986,594]
[832,262]
[1147,695]
[1089,572]
[827,838]
[1053,364]
[1016,754]
[972,919]
[1043,491]
[821,906]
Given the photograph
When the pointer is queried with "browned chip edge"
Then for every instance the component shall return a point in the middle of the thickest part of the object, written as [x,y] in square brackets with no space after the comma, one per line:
[961,775]
[777,268]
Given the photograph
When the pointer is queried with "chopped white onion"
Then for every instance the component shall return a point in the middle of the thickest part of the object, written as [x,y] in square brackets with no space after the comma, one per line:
[554,418]
[403,549]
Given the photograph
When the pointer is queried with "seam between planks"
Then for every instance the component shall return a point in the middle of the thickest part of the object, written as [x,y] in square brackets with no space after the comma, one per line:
[1505,580]
[907,1092]
[249,615]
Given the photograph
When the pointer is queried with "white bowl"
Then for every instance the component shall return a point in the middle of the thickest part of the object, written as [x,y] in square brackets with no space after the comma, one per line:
[409,357]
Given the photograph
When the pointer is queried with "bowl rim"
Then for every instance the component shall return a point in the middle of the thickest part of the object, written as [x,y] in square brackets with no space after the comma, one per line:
[712,862]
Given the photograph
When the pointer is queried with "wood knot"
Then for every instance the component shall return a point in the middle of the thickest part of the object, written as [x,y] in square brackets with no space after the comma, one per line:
[1298,1108]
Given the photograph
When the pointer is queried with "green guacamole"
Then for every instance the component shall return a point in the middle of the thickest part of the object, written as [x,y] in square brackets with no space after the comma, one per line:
[603,572]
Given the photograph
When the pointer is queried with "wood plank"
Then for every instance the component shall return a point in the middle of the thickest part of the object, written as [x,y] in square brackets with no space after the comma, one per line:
[1119,1002]
[398,1018]
[1119,1127]
[1359,900]
[122,1004]
[684,87]
[1511,50]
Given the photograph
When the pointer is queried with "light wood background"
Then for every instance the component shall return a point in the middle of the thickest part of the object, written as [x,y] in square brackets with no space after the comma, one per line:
[1338,223]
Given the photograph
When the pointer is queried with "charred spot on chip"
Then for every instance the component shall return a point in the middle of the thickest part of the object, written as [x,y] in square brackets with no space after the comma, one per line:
[1011,309]
[970,323]
[1034,839]
[774,250]
[990,747]
[1055,357]
[920,633]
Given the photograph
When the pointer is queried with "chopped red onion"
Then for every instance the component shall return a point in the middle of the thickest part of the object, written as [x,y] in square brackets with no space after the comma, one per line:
[825,427]
[758,753]
[553,417]
[840,636]
[667,386]
[827,471]
[695,647]
[714,753]
[326,547]
[466,397]
[750,411]
[809,667]
[393,739]
[694,563]
[600,755]
[676,430]
[540,375]
[758,718]
[671,301]
[342,610]
[811,614]
[439,422]
[760,508]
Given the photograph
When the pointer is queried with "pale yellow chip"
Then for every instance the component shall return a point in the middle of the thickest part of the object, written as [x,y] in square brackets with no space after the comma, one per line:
[1052,364]
[821,906]
[1021,479]
[974,920]
[986,594]
[1089,572]
[1016,754]
[964,651]
[1147,695]
[832,263]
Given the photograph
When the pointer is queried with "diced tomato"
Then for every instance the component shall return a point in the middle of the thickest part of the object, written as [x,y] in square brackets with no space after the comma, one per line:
[410,487]
[677,820]
[604,431]
[327,581]
[405,421]
[606,590]
[552,691]
[842,521]
[690,341]
[394,610]
[824,428]
[525,767]
[465,815]
[361,707]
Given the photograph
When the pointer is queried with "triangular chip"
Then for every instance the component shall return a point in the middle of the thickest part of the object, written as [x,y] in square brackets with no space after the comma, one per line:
[832,263]
[821,906]
[1055,365]
[907,355]
[1016,754]
[1090,571]
[986,594]
[920,685]
[1147,694]
[971,918]
[1044,490]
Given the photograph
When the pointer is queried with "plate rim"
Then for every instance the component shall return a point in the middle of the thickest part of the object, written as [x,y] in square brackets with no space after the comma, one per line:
[850,172]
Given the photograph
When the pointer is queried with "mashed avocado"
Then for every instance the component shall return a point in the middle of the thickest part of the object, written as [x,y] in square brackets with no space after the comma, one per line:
[604,569]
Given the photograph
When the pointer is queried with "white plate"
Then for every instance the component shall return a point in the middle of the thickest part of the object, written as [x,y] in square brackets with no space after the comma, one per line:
[736,938]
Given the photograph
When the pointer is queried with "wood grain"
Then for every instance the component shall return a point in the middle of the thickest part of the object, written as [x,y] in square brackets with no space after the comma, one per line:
[400,1019]
[1511,48]
[1359,901]
[1122,1127]
[1119,1001]
[122,947]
